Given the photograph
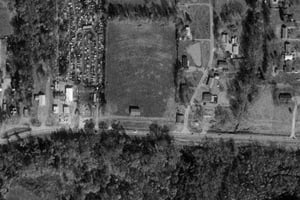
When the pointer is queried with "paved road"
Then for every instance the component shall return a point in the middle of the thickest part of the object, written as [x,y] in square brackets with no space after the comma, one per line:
[189,139]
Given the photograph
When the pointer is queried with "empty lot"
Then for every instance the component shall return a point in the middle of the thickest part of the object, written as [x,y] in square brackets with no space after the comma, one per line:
[200,25]
[139,67]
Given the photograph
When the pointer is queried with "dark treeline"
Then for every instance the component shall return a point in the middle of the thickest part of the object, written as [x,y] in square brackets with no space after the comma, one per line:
[112,165]
[150,10]
[254,47]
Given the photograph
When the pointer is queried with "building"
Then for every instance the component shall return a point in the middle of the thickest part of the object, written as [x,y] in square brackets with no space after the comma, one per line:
[234,39]
[224,37]
[95,97]
[207,97]
[289,57]
[221,64]
[284,32]
[188,32]
[55,109]
[41,98]
[66,109]
[214,98]
[184,62]
[69,94]
[285,97]
[179,117]
[25,112]
[287,47]
[235,50]
[134,111]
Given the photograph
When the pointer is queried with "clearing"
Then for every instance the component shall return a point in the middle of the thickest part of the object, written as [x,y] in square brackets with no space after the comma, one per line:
[5,27]
[200,25]
[198,53]
[139,68]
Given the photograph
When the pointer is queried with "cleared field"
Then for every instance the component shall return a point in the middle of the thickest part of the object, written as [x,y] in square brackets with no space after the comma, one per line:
[200,25]
[5,27]
[264,116]
[196,56]
[139,68]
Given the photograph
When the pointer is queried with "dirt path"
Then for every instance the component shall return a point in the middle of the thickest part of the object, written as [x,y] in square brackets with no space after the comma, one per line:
[185,129]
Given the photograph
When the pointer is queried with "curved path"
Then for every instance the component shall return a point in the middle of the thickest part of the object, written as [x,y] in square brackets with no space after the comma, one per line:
[185,129]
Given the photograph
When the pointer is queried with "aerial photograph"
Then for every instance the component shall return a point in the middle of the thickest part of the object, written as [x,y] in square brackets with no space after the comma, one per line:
[149,99]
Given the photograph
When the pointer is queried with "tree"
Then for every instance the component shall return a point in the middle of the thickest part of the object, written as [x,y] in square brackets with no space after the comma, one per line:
[89,126]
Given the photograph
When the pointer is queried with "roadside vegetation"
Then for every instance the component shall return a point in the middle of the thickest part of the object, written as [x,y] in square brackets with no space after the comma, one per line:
[112,165]
[153,9]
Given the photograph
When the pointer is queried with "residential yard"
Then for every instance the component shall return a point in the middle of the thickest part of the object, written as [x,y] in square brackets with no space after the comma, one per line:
[139,68]
[198,53]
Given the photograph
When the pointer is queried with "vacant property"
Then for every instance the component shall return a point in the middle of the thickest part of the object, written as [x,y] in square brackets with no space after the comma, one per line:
[200,25]
[139,68]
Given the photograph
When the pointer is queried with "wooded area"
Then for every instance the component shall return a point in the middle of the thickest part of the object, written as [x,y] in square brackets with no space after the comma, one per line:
[32,42]
[147,10]
[112,165]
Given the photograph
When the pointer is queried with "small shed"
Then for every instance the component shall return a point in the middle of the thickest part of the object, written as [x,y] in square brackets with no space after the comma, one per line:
[55,109]
[224,38]
[206,97]
[69,94]
[134,111]
[66,109]
[25,112]
[184,61]
[41,98]
[179,117]
[235,49]
[285,97]
[284,31]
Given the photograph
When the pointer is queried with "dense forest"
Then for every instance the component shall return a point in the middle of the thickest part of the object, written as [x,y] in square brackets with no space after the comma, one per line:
[112,165]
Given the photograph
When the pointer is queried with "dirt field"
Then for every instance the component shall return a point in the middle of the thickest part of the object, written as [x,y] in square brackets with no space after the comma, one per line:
[200,25]
[5,27]
[139,68]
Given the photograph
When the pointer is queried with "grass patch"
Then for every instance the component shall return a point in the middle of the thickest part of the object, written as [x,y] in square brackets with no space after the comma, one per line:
[5,27]
[200,25]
